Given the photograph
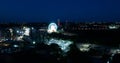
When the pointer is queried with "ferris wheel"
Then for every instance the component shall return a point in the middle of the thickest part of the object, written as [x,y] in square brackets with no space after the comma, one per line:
[52,28]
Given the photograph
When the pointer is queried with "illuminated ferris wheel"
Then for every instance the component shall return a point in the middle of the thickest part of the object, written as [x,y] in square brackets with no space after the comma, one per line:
[52,28]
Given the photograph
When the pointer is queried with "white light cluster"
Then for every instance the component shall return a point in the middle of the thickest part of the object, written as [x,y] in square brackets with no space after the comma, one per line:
[15,46]
[19,38]
[84,47]
[63,44]
[113,27]
[115,51]
[27,31]
[20,32]
[34,42]
[52,28]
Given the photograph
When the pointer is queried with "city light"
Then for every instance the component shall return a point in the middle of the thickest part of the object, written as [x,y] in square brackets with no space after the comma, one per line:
[115,51]
[63,44]
[113,27]
[27,31]
[15,46]
[84,47]
[32,28]
[34,42]
[19,38]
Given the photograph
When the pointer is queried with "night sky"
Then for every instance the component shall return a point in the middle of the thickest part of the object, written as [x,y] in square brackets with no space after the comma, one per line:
[51,10]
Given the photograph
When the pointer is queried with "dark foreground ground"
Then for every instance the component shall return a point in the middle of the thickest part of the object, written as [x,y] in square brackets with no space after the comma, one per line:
[52,54]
